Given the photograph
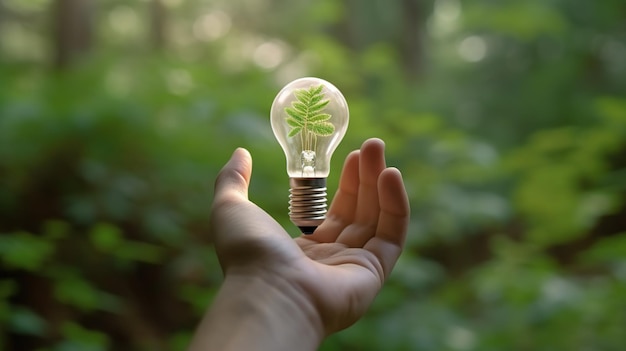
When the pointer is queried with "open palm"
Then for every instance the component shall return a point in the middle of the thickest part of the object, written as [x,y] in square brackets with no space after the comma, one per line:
[339,269]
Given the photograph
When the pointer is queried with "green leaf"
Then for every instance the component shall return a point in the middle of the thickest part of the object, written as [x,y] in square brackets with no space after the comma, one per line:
[294,114]
[320,118]
[322,129]
[300,107]
[293,123]
[304,115]
[23,250]
[24,321]
[77,337]
[302,95]
[140,251]
[317,91]
[317,98]
[77,292]
[106,237]
[295,131]
[610,249]
[318,106]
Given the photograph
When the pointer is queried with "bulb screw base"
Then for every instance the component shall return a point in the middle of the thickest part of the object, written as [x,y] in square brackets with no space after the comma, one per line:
[307,203]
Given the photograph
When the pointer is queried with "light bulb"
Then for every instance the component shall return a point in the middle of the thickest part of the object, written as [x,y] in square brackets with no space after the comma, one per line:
[309,118]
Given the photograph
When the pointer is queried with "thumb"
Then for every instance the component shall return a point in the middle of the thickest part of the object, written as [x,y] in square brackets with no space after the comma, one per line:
[233,180]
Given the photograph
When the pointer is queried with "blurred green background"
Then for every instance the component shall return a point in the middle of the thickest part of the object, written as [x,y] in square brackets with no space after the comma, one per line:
[507,119]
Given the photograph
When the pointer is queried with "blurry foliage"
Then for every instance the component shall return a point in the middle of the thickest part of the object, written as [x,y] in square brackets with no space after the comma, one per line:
[512,142]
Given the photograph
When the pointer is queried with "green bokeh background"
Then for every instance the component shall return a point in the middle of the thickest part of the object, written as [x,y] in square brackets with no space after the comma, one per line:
[507,119]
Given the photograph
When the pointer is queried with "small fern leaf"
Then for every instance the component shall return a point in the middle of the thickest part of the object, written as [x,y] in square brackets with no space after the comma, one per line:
[300,107]
[318,106]
[294,123]
[294,114]
[316,98]
[322,129]
[305,114]
[294,131]
[302,95]
[320,117]
[317,91]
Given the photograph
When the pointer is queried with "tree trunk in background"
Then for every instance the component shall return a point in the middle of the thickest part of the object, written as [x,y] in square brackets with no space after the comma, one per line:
[362,26]
[347,30]
[3,14]
[73,30]
[158,24]
[411,40]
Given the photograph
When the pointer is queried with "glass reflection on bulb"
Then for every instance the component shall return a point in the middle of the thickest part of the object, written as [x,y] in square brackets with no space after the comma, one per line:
[309,117]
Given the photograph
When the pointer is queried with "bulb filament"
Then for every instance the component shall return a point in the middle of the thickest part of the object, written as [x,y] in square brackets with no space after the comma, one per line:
[307,159]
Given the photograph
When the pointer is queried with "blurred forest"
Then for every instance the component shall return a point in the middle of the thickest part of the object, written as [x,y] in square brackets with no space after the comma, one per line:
[507,119]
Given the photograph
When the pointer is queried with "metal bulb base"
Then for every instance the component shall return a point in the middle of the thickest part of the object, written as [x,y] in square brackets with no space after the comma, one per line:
[307,203]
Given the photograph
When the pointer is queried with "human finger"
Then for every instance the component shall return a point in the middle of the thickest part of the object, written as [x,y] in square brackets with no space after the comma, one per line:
[240,230]
[393,220]
[343,206]
[233,180]
[371,164]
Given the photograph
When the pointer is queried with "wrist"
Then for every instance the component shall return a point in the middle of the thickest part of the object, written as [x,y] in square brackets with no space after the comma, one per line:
[256,312]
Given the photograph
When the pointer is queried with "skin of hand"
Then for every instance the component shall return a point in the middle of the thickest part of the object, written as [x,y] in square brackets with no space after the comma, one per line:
[281,293]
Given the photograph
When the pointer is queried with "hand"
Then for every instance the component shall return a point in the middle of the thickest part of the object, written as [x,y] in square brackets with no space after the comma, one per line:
[322,282]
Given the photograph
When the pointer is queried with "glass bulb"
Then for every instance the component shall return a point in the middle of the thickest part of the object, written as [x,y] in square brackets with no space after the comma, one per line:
[309,118]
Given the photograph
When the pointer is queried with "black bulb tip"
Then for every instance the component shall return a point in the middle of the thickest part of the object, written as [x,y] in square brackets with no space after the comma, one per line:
[307,229]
